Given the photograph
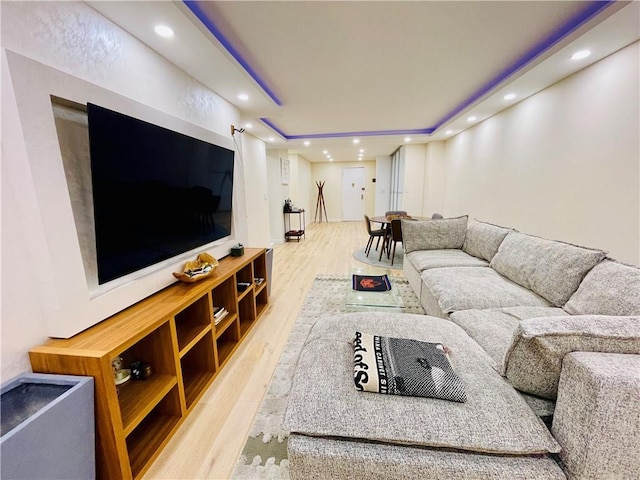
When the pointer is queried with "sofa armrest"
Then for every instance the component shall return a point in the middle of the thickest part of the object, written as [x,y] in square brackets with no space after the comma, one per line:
[597,416]
[534,359]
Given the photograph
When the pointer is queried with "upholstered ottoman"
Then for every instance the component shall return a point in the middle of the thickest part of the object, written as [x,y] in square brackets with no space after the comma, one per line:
[339,432]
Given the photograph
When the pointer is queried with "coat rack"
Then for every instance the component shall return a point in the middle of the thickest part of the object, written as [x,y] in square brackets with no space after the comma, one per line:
[320,203]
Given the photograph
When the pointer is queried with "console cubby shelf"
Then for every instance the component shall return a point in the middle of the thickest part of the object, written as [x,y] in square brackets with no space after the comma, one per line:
[174,331]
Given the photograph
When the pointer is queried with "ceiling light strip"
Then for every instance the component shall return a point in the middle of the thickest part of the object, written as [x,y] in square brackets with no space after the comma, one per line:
[593,9]
[370,133]
[215,31]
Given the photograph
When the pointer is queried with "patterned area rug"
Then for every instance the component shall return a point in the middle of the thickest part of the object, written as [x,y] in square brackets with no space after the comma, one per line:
[265,452]
[385,262]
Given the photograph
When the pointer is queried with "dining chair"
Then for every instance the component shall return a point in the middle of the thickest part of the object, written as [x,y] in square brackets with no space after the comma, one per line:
[399,213]
[372,234]
[396,236]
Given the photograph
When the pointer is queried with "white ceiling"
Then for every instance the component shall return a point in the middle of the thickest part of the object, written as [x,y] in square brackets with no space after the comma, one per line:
[345,70]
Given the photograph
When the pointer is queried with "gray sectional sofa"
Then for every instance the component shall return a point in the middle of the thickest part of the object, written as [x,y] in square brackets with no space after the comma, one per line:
[533,326]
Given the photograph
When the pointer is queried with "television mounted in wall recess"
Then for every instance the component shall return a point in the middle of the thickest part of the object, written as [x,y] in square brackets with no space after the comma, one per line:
[157,193]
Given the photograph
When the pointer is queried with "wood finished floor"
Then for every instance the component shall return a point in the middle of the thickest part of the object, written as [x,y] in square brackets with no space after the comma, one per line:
[209,442]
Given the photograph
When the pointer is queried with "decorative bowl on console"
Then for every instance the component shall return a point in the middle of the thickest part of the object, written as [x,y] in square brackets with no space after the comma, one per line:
[202,267]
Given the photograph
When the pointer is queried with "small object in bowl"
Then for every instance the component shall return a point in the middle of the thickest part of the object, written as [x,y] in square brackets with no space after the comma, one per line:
[146,370]
[202,267]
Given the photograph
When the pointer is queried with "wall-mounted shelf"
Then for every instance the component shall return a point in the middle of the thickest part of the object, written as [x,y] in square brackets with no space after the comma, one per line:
[174,330]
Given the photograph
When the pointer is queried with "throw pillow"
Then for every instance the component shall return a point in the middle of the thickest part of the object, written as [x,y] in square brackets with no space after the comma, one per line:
[483,239]
[433,234]
[534,360]
[610,288]
[401,366]
[552,269]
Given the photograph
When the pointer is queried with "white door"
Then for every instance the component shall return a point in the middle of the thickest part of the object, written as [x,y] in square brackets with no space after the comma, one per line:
[352,194]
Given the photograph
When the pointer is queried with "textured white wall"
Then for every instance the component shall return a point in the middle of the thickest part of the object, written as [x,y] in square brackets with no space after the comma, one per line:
[562,164]
[43,284]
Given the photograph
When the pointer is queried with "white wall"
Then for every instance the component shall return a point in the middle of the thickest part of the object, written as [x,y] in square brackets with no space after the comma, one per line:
[415,158]
[434,179]
[562,164]
[43,283]
[278,193]
[331,174]
[254,162]
[382,185]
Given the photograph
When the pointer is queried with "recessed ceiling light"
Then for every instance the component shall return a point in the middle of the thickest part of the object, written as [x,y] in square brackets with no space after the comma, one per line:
[306,143]
[407,139]
[248,125]
[472,119]
[362,150]
[331,159]
[271,139]
[356,141]
[579,55]
[243,96]
[164,31]
[325,151]
[510,96]
[448,132]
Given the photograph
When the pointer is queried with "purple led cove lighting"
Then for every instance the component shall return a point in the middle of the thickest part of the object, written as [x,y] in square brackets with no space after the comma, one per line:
[593,9]
[577,21]
[197,11]
[370,133]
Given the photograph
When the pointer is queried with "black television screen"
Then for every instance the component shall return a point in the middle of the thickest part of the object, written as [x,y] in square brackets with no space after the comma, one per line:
[156,193]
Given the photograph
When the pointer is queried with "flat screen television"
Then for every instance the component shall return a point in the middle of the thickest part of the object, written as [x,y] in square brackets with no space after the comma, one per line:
[156,193]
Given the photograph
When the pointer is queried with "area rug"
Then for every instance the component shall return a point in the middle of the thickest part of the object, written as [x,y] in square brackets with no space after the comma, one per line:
[385,262]
[265,452]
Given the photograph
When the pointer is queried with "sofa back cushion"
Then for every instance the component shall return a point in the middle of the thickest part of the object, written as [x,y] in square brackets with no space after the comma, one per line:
[533,362]
[610,288]
[483,239]
[552,269]
[438,234]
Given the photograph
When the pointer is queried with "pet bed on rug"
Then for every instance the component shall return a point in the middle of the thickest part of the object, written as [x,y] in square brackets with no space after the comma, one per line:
[400,366]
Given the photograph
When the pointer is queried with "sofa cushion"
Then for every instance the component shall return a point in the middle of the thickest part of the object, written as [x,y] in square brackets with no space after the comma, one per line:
[493,328]
[433,234]
[475,288]
[552,269]
[610,288]
[425,259]
[483,239]
[323,402]
[534,359]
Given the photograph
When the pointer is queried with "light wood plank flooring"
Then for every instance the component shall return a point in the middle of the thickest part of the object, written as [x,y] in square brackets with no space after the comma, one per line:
[208,444]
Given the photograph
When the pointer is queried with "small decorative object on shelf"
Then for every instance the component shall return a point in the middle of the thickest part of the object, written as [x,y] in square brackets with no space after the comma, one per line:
[120,375]
[258,280]
[140,370]
[200,268]
[237,250]
[242,286]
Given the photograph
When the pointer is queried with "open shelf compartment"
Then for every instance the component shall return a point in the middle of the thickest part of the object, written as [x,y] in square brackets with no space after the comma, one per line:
[247,313]
[138,397]
[193,321]
[153,432]
[198,369]
[227,342]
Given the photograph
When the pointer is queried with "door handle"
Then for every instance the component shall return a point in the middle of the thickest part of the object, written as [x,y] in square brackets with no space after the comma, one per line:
[361,197]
